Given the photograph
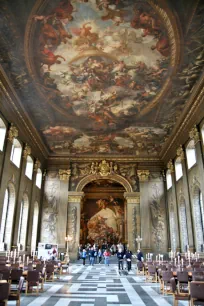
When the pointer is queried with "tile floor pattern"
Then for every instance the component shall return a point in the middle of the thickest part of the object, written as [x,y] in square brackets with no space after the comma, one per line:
[98,286]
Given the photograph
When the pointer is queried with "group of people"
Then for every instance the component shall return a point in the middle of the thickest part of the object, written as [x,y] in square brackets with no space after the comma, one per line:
[96,254]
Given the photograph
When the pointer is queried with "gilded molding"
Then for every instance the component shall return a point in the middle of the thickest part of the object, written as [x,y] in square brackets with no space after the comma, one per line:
[64,175]
[37,165]
[170,166]
[194,134]
[132,197]
[75,197]
[143,175]
[180,153]
[26,151]
[12,133]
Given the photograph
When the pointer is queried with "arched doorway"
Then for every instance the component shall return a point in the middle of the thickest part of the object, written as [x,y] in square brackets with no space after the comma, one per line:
[103,213]
[131,210]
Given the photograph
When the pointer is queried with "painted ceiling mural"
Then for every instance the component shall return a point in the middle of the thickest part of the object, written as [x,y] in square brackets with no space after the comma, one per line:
[104,76]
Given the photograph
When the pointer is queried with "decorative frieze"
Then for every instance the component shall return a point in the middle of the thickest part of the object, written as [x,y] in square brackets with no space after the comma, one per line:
[26,151]
[143,175]
[180,153]
[194,134]
[12,133]
[170,166]
[103,168]
[75,197]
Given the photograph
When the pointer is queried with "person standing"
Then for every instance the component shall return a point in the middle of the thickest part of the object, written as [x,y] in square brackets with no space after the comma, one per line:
[120,256]
[99,256]
[107,255]
[128,257]
[84,256]
[140,256]
[91,253]
[95,256]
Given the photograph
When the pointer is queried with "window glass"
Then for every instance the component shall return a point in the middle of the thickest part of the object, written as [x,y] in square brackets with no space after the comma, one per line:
[191,154]
[178,169]
[2,134]
[16,152]
[168,179]
[29,167]
[39,178]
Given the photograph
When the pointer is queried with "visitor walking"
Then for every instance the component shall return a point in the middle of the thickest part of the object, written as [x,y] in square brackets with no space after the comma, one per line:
[140,256]
[128,257]
[92,256]
[99,256]
[107,255]
[120,256]
[84,256]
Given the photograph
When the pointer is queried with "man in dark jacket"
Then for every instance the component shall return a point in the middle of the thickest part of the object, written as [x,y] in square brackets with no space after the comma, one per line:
[120,256]
[140,256]
[128,257]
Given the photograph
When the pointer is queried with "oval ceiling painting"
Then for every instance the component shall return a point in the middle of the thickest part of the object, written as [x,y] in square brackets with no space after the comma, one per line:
[106,61]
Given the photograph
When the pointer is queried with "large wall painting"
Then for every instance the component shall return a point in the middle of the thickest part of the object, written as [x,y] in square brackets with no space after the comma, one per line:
[102,220]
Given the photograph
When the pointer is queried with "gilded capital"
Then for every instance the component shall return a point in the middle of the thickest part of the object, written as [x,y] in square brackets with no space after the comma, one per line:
[26,151]
[12,133]
[64,174]
[170,166]
[132,197]
[143,175]
[75,197]
[180,152]
[194,134]
[37,164]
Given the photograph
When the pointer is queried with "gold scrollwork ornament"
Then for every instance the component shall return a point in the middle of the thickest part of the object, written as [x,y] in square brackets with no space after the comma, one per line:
[180,152]
[26,151]
[194,134]
[12,133]
[170,166]
[143,175]
[64,174]
[37,165]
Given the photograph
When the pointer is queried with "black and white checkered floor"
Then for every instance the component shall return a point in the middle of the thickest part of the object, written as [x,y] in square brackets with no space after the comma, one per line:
[98,286]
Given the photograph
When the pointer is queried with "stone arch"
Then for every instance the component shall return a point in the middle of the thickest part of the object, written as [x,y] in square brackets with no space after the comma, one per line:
[198,217]
[183,223]
[23,221]
[93,177]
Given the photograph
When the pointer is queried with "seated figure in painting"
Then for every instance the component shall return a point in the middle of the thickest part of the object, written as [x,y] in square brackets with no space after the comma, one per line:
[103,224]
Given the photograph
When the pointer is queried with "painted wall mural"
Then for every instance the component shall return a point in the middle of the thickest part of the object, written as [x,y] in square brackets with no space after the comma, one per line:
[102,219]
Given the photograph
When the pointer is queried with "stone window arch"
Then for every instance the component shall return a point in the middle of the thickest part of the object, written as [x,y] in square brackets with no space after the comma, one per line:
[198,218]
[23,221]
[178,168]
[16,152]
[183,224]
[2,134]
[7,216]
[35,226]
[172,228]
[29,167]
[191,154]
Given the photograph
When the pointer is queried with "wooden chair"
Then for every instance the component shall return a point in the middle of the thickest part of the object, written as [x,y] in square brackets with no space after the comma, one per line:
[166,277]
[183,282]
[176,295]
[151,274]
[33,280]
[15,295]
[197,293]
[4,293]
[49,273]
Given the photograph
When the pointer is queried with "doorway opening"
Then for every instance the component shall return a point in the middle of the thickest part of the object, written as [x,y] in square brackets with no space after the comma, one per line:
[103,213]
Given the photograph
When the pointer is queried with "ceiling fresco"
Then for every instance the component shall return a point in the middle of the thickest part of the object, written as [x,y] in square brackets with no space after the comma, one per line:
[105,76]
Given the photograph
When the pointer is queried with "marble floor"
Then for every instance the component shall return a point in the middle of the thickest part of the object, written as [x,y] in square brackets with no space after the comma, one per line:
[98,286]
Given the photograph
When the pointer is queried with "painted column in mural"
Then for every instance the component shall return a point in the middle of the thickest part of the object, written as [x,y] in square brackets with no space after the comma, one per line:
[133,218]
[73,221]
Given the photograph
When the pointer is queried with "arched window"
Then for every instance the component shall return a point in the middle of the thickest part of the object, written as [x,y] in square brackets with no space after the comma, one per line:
[198,218]
[183,224]
[34,227]
[39,178]
[16,152]
[191,154]
[23,221]
[29,167]
[168,179]
[2,134]
[7,216]
[173,228]
[178,169]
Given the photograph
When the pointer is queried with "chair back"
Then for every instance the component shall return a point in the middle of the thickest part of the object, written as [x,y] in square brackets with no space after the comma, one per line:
[6,274]
[33,276]
[4,291]
[198,276]
[166,276]
[151,269]
[20,284]
[197,290]
[50,268]
[173,285]
[182,276]
[39,267]
[16,274]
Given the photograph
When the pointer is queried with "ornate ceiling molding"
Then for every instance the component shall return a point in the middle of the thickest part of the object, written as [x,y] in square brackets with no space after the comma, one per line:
[26,124]
[12,133]
[26,151]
